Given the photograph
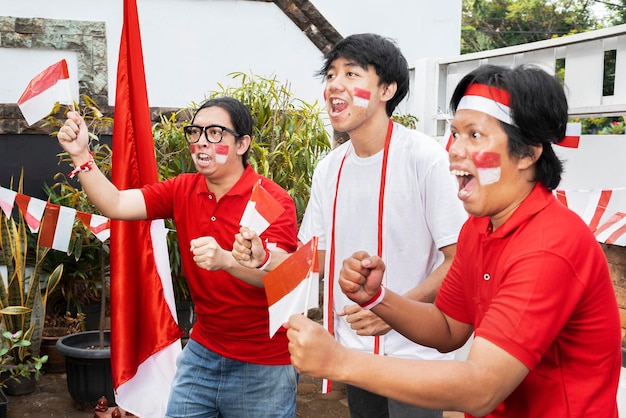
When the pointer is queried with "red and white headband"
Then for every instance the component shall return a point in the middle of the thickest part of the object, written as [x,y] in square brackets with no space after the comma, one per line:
[487,99]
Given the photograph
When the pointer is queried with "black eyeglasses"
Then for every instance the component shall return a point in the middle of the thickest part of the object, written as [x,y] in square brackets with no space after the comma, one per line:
[212,133]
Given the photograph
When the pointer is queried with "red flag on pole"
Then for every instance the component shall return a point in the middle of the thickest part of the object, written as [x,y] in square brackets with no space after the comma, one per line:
[144,333]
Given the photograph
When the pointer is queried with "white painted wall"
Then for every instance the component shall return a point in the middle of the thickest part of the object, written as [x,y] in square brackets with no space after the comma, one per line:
[192,45]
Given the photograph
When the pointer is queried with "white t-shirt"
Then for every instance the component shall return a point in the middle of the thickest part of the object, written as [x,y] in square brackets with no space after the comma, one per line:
[421,214]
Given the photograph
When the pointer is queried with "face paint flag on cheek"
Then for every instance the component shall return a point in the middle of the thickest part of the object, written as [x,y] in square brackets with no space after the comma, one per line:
[488,166]
[221,153]
[361,97]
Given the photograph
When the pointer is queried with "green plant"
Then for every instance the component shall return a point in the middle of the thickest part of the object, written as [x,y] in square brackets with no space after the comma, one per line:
[10,345]
[25,290]
[86,260]
[289,136]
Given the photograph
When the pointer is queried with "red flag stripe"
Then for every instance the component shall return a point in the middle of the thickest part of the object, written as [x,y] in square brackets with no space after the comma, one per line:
[49,225]
[561,197]
[44,80]
[286,277]
[139,311]
[605,196]
[267,206]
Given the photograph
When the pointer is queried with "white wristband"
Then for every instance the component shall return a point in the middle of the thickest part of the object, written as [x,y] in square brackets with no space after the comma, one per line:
[375,300]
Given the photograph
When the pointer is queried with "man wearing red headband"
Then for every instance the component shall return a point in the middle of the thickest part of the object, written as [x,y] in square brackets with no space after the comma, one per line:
[528,278]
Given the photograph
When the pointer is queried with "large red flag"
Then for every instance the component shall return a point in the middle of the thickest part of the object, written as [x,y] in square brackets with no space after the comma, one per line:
[144,333]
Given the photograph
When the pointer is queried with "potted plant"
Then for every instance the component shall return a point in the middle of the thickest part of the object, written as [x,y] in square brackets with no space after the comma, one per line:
[23,295]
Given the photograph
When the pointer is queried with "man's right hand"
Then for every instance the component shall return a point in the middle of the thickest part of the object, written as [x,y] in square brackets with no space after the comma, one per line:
[361,276]
[74,138]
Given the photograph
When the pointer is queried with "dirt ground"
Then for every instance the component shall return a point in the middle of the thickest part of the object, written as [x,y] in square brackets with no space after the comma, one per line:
[51,399]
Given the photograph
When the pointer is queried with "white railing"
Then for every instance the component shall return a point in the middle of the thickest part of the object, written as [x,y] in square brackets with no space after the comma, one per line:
[434,80]
[594,181]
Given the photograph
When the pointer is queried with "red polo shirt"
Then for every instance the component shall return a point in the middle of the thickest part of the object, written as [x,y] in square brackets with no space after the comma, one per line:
[232,316]
[539,288]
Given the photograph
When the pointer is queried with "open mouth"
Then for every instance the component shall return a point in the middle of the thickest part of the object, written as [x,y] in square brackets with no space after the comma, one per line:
[466,182]
[338,105]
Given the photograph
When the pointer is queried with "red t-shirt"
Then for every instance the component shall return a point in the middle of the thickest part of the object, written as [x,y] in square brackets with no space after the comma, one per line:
[232,316]
[539,288]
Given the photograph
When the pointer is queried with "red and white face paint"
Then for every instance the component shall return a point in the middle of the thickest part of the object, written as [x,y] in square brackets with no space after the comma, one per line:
[488,166]
[221,153]
[487,99]
[361,97]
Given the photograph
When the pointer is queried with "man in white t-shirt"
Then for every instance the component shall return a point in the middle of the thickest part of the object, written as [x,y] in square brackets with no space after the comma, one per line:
[387,191]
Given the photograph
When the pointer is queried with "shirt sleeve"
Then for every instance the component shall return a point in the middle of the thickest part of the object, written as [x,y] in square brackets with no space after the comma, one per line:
[313,220]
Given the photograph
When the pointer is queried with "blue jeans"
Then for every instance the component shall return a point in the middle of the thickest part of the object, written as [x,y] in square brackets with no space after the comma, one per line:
[364,404]
[208,385]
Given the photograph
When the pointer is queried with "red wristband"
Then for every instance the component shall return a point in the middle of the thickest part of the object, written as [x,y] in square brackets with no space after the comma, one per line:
[266,260]
[375,300]
[87,166]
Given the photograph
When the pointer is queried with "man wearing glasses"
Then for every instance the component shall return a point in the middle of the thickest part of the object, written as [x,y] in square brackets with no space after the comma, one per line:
[230,366]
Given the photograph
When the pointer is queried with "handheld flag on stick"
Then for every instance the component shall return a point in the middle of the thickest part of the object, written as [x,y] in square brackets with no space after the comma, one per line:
[261,210]
[142,297]
[293,286]
[50,86]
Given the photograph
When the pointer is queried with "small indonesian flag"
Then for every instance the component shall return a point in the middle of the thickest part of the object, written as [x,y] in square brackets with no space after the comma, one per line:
[361,97]
[32,209]
[99,225]
[488,166]
[221,153]
[56,227]
[50,86]
[7,200]
[293,286]
[261,210]
[573,131]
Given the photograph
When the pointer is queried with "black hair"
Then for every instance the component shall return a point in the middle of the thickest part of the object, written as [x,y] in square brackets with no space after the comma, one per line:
[538,108]
[381,53]
[240,117]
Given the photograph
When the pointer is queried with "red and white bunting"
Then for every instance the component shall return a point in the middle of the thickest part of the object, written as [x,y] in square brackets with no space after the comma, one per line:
[99,225]
[32,209]
[56,227]
[7,200]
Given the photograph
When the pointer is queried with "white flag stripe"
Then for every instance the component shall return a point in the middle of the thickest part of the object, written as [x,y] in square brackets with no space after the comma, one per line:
[7,200]
[159,368]
[292,303]
[63,231]
[152,380]
[95,222]
[488,175]
[573,129]
[35,209]
[360,101]
[602,237]
[253,219]
[592,204]
[41,105]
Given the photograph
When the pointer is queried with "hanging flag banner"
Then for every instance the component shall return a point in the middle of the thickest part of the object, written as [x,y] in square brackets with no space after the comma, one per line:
[293,286]
[50,86]
[613,231]
[7,200]
[97,224]
[32,209]
[261,210]
[56,227]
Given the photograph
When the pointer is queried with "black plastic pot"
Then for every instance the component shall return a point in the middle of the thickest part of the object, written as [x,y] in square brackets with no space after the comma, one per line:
[88,367]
